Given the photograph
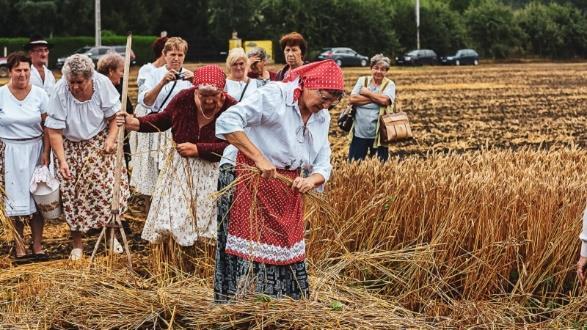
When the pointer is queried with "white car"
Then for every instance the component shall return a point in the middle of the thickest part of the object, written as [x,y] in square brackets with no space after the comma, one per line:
[3,67]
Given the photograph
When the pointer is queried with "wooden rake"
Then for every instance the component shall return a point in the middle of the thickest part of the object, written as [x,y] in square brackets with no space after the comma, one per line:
[114,223]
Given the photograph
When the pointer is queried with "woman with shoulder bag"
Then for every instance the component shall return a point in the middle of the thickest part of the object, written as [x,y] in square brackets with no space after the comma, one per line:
[157,87]
[369,95]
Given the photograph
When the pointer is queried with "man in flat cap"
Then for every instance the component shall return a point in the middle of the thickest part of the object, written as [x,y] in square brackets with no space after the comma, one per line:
[38,49]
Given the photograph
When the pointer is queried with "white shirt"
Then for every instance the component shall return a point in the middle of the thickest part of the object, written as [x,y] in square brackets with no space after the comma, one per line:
[273,123]
[144,73]
[82,120]
[48,84]
[235,88]
[22,119]
[152,80]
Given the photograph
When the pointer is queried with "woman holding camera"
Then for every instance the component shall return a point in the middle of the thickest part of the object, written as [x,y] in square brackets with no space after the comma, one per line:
[156,92]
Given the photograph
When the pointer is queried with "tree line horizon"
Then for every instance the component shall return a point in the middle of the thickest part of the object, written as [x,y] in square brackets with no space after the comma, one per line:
[495,28]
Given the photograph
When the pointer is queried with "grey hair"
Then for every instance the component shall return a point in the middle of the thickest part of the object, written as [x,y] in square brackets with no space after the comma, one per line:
[259,52]
[380,59]
[110,62]
[78,64]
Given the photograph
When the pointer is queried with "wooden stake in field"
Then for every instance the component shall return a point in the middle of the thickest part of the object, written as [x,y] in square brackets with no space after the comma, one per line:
[109,229]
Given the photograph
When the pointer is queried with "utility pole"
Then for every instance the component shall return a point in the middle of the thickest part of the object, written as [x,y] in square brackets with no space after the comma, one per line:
[98,24]
[417,24]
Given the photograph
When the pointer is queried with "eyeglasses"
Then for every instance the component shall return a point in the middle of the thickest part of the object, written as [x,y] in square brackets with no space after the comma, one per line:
[328,99]
[380,68]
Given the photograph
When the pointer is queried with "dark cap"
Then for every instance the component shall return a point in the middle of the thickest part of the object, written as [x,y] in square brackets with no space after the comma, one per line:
[37,40]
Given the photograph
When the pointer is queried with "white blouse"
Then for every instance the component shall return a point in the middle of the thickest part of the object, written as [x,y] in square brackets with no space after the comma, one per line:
[82,120]
[235,88]
[152,79]
[22,119]
[48,84]
[273,122]
[144,73]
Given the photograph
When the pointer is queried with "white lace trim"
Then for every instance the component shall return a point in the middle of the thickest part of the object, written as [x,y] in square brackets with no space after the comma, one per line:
[265,251]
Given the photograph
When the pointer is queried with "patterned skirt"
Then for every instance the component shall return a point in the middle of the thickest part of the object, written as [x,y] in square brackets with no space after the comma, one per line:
[236,277]
[182,207]
[87,197]
[148,158]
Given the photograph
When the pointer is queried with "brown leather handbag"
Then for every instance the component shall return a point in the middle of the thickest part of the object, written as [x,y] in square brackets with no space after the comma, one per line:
[394,127]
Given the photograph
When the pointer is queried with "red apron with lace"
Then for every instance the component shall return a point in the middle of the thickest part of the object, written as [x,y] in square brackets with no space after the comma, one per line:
[266,218]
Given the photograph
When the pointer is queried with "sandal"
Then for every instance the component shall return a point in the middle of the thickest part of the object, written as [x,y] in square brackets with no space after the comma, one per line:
[76,254]
[41,256]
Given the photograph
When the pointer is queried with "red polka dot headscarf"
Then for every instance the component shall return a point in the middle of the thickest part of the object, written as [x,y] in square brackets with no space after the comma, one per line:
[318,75]
[211,75]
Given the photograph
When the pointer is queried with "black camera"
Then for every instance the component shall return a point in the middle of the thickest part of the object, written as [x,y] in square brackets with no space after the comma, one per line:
[179,76]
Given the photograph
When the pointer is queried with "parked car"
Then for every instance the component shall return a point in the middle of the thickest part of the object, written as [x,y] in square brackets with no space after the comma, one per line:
[96,52]
[3,67]
[462,57]
[417,57]
[343,56]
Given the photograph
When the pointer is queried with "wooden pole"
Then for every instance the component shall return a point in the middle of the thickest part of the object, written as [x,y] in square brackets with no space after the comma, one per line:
[120,138]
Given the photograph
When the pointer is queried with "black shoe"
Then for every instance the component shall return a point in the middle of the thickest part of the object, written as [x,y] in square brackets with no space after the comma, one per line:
[42,256]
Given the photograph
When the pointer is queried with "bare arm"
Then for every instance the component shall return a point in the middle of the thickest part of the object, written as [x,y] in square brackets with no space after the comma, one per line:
[110,143]
[359,100]
[130,122]
[304,185]
[242,142]
[380,99]
[46,143]
[151,96]
[56,139]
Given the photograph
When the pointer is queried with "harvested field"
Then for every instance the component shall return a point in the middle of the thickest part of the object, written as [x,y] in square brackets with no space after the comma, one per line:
[475,225]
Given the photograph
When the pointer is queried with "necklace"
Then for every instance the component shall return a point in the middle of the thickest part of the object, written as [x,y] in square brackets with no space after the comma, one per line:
[204,115]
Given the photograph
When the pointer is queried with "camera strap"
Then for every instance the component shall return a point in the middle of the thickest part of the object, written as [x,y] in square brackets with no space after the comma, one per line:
[169,94]
[244,90]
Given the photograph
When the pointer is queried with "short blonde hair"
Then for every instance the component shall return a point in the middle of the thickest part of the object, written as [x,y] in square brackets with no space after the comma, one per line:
[78,64]
[110,62]
[234,55]
[175,43]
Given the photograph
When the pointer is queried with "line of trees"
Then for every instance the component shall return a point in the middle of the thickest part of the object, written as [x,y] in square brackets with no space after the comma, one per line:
[496,28]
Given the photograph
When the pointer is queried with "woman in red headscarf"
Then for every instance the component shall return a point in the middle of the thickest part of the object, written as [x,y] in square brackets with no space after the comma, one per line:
[181,207]
[281,128]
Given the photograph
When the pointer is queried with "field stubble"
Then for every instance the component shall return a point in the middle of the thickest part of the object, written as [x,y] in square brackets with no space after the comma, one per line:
[462,238]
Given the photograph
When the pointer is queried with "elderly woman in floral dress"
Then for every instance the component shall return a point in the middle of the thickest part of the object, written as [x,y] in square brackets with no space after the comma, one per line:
[182,208]
[83,136]
[282,128]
